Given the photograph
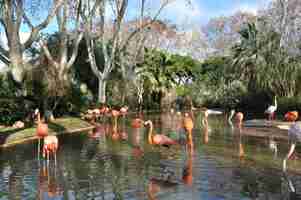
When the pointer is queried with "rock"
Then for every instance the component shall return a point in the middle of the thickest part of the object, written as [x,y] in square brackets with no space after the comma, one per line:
[18,124]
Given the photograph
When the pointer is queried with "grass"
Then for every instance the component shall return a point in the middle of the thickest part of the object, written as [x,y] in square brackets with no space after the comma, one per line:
[10,135]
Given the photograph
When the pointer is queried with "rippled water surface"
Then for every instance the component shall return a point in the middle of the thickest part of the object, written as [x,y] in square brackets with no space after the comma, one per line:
[99,168]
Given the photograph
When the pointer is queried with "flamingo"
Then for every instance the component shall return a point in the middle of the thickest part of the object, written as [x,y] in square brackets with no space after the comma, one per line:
[116,135]
[47,183]
[41,130]
[231,115]
[239,116]
[104,110]
[158,139]
[50,146]
[294,136]
[188,124]
[271,110]
[291,116]
[241,151]
[205,118]
[123,110]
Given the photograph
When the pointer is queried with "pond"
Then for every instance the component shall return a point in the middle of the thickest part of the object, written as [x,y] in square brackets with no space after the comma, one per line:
[99,168]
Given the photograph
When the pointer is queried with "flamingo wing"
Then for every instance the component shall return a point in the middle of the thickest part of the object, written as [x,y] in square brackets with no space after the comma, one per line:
[270,109]
[163,140]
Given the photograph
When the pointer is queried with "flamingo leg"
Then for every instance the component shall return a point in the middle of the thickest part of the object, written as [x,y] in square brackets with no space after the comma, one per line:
[291,151]
[54,158]
[47,157]
[39,148]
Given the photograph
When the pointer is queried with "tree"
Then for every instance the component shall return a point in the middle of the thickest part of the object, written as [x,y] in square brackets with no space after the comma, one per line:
[282,16]
[109,36]
[12,17]
[61,60]
[222,32]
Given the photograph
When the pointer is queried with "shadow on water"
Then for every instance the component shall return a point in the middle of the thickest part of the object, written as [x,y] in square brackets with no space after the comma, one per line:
[224,163]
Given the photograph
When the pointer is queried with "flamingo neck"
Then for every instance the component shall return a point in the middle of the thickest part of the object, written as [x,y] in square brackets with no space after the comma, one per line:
[39,118]
[150,133]
[115,124]
[205,122]
[231,116]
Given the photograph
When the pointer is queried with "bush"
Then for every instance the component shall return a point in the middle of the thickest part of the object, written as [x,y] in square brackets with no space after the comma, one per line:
[286,104]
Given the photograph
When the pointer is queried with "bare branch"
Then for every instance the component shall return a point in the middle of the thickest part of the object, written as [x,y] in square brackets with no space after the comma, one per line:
[91,55]
[4,59]
[48,54]
[143,26]
[35,30]
[75,50]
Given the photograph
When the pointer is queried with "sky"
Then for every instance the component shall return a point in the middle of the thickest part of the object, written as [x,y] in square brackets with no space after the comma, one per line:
[179,12]
[200,11]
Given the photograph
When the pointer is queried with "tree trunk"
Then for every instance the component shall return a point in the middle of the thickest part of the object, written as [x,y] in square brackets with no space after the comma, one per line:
[102,90]
[17,68]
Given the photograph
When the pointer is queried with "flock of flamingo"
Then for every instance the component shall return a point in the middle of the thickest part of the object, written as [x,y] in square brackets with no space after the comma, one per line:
[50,142]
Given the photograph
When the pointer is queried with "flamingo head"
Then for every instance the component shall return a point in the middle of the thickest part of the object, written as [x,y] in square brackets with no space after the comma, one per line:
[36,112]
[148,123]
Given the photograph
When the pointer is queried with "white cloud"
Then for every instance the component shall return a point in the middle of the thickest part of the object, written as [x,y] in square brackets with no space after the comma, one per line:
[180,12]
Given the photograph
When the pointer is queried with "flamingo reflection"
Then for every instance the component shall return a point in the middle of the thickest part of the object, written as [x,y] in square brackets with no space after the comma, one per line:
[241,151]
[156,185]
[187,172]
[48,186]
[137,151]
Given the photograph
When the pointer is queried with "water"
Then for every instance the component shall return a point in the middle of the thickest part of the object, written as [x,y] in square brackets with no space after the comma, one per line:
[99,168]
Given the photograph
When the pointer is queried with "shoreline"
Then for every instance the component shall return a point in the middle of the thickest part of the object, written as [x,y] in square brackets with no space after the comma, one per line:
[69,125]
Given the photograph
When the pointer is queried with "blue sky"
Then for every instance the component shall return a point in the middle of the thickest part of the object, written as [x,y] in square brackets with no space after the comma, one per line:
[179,12]
[202,10]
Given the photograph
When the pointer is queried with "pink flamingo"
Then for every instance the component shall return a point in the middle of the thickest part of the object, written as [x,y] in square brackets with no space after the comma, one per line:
[50,146]
[123,110]
[41,130]
[158,139]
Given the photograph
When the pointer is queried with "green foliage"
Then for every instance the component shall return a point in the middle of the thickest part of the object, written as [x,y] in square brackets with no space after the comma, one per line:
[289,104]
[10,105]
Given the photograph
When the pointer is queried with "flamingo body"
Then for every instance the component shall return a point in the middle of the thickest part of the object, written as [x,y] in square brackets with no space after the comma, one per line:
[158,139]
[188,123]
[50,146]
[42,130]
[239,117]
[291,116]
[104,110]
[123,110]
[163,140]
[271,110]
